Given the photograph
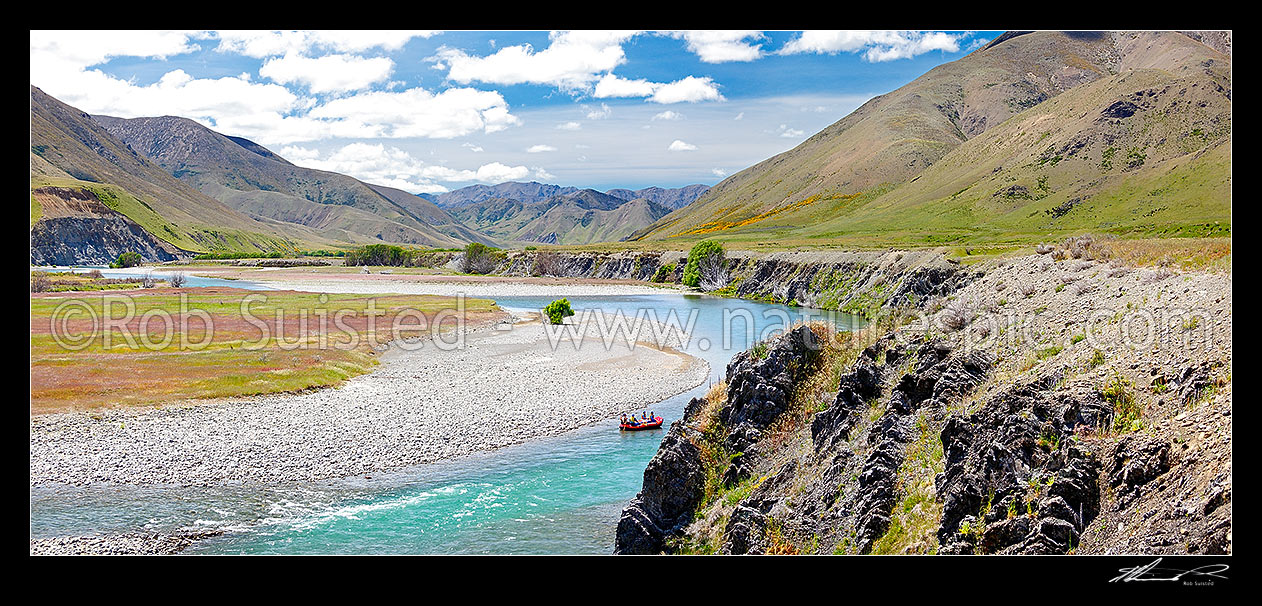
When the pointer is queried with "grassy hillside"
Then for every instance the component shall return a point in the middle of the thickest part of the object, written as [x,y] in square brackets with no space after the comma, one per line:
[253,180]
[68,149]
[1117,133]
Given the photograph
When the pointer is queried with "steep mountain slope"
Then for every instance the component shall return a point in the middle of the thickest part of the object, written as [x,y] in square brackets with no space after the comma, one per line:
[259,183]
[71,151]
[429,213]
[672,198]
[1012,137]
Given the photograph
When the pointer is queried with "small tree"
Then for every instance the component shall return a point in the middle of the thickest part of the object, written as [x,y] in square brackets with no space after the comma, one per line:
[127,259]
[707,266]
[178,280]
[557,311]
[478,259]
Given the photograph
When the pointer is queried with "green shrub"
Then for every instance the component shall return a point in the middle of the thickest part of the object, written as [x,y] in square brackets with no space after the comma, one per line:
[557,311]
[479,258]
[707,266]
[379,254]
[127,259]
[663,273]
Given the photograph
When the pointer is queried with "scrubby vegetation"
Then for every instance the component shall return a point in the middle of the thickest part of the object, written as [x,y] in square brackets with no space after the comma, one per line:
[707,266]
[557,311]
[479,258]
[127,259]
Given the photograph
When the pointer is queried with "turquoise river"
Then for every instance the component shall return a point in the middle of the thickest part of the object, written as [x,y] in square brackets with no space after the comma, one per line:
[558,495]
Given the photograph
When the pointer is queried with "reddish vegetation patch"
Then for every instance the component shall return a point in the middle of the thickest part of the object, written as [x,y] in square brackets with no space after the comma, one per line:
[276,348]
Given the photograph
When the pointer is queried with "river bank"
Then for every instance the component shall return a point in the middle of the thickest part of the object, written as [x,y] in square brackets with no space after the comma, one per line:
[1052,405]
[505,386]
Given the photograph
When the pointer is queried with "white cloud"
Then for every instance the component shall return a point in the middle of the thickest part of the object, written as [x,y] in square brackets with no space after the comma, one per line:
[740,116]
[599,114]
[295,152]
[330,73]
[785,131]
[667,115]
[884,45]
[260,44]
[690,89]
[417,112]
[678,145]
[538,149]
[716,46]
[572,61]
[616,86]
[718,172]
[81,49]
[393,167]
[541,173]
[570,126]
[471,147]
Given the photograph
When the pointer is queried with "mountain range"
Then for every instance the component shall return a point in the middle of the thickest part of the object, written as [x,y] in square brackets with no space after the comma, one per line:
[1032,136]
[188,189]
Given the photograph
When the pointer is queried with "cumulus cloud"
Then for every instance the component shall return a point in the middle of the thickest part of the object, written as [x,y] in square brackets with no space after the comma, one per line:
[393,167]
[268,112]
[538,149]
[417,112]
[570,126]
[616,86]
[690,89]
[260,44]
[667,115]
[572,61]
[91,47]
[717,46]
[877,46]
[328,74]
[718,172]
[678,145]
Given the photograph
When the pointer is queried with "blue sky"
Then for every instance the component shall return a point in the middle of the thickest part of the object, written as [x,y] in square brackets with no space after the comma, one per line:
[431,111]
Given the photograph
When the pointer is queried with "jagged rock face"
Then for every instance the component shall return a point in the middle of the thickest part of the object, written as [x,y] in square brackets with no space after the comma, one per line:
[939,376]
[1015,477]
[759,390]
[92,241]
[674,485]
[760,384]
[833,425]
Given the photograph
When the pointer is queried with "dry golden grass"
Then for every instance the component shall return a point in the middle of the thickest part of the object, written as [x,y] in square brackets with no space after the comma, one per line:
[1188,254]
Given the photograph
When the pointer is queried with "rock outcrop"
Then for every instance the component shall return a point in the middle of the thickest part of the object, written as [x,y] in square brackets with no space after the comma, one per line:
[761,383]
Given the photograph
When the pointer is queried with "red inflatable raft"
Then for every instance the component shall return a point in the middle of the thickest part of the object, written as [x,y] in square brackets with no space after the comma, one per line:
[654,424]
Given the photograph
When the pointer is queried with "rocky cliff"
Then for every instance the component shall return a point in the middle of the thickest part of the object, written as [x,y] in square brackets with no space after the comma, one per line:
[76,228]
[1017,416]
[862,283]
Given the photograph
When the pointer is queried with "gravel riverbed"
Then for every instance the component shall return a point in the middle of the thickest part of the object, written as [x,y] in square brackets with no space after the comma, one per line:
[505,386]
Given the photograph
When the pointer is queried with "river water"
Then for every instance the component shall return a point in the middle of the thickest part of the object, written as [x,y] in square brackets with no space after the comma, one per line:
[558,495]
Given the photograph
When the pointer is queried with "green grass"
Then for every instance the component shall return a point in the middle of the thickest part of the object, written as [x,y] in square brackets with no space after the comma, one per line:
[192,238]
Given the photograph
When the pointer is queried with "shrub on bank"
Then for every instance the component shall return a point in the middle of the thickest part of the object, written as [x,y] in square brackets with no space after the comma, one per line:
[663,273]
[479,258]
[557,311]
[127,259]
[707,266]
